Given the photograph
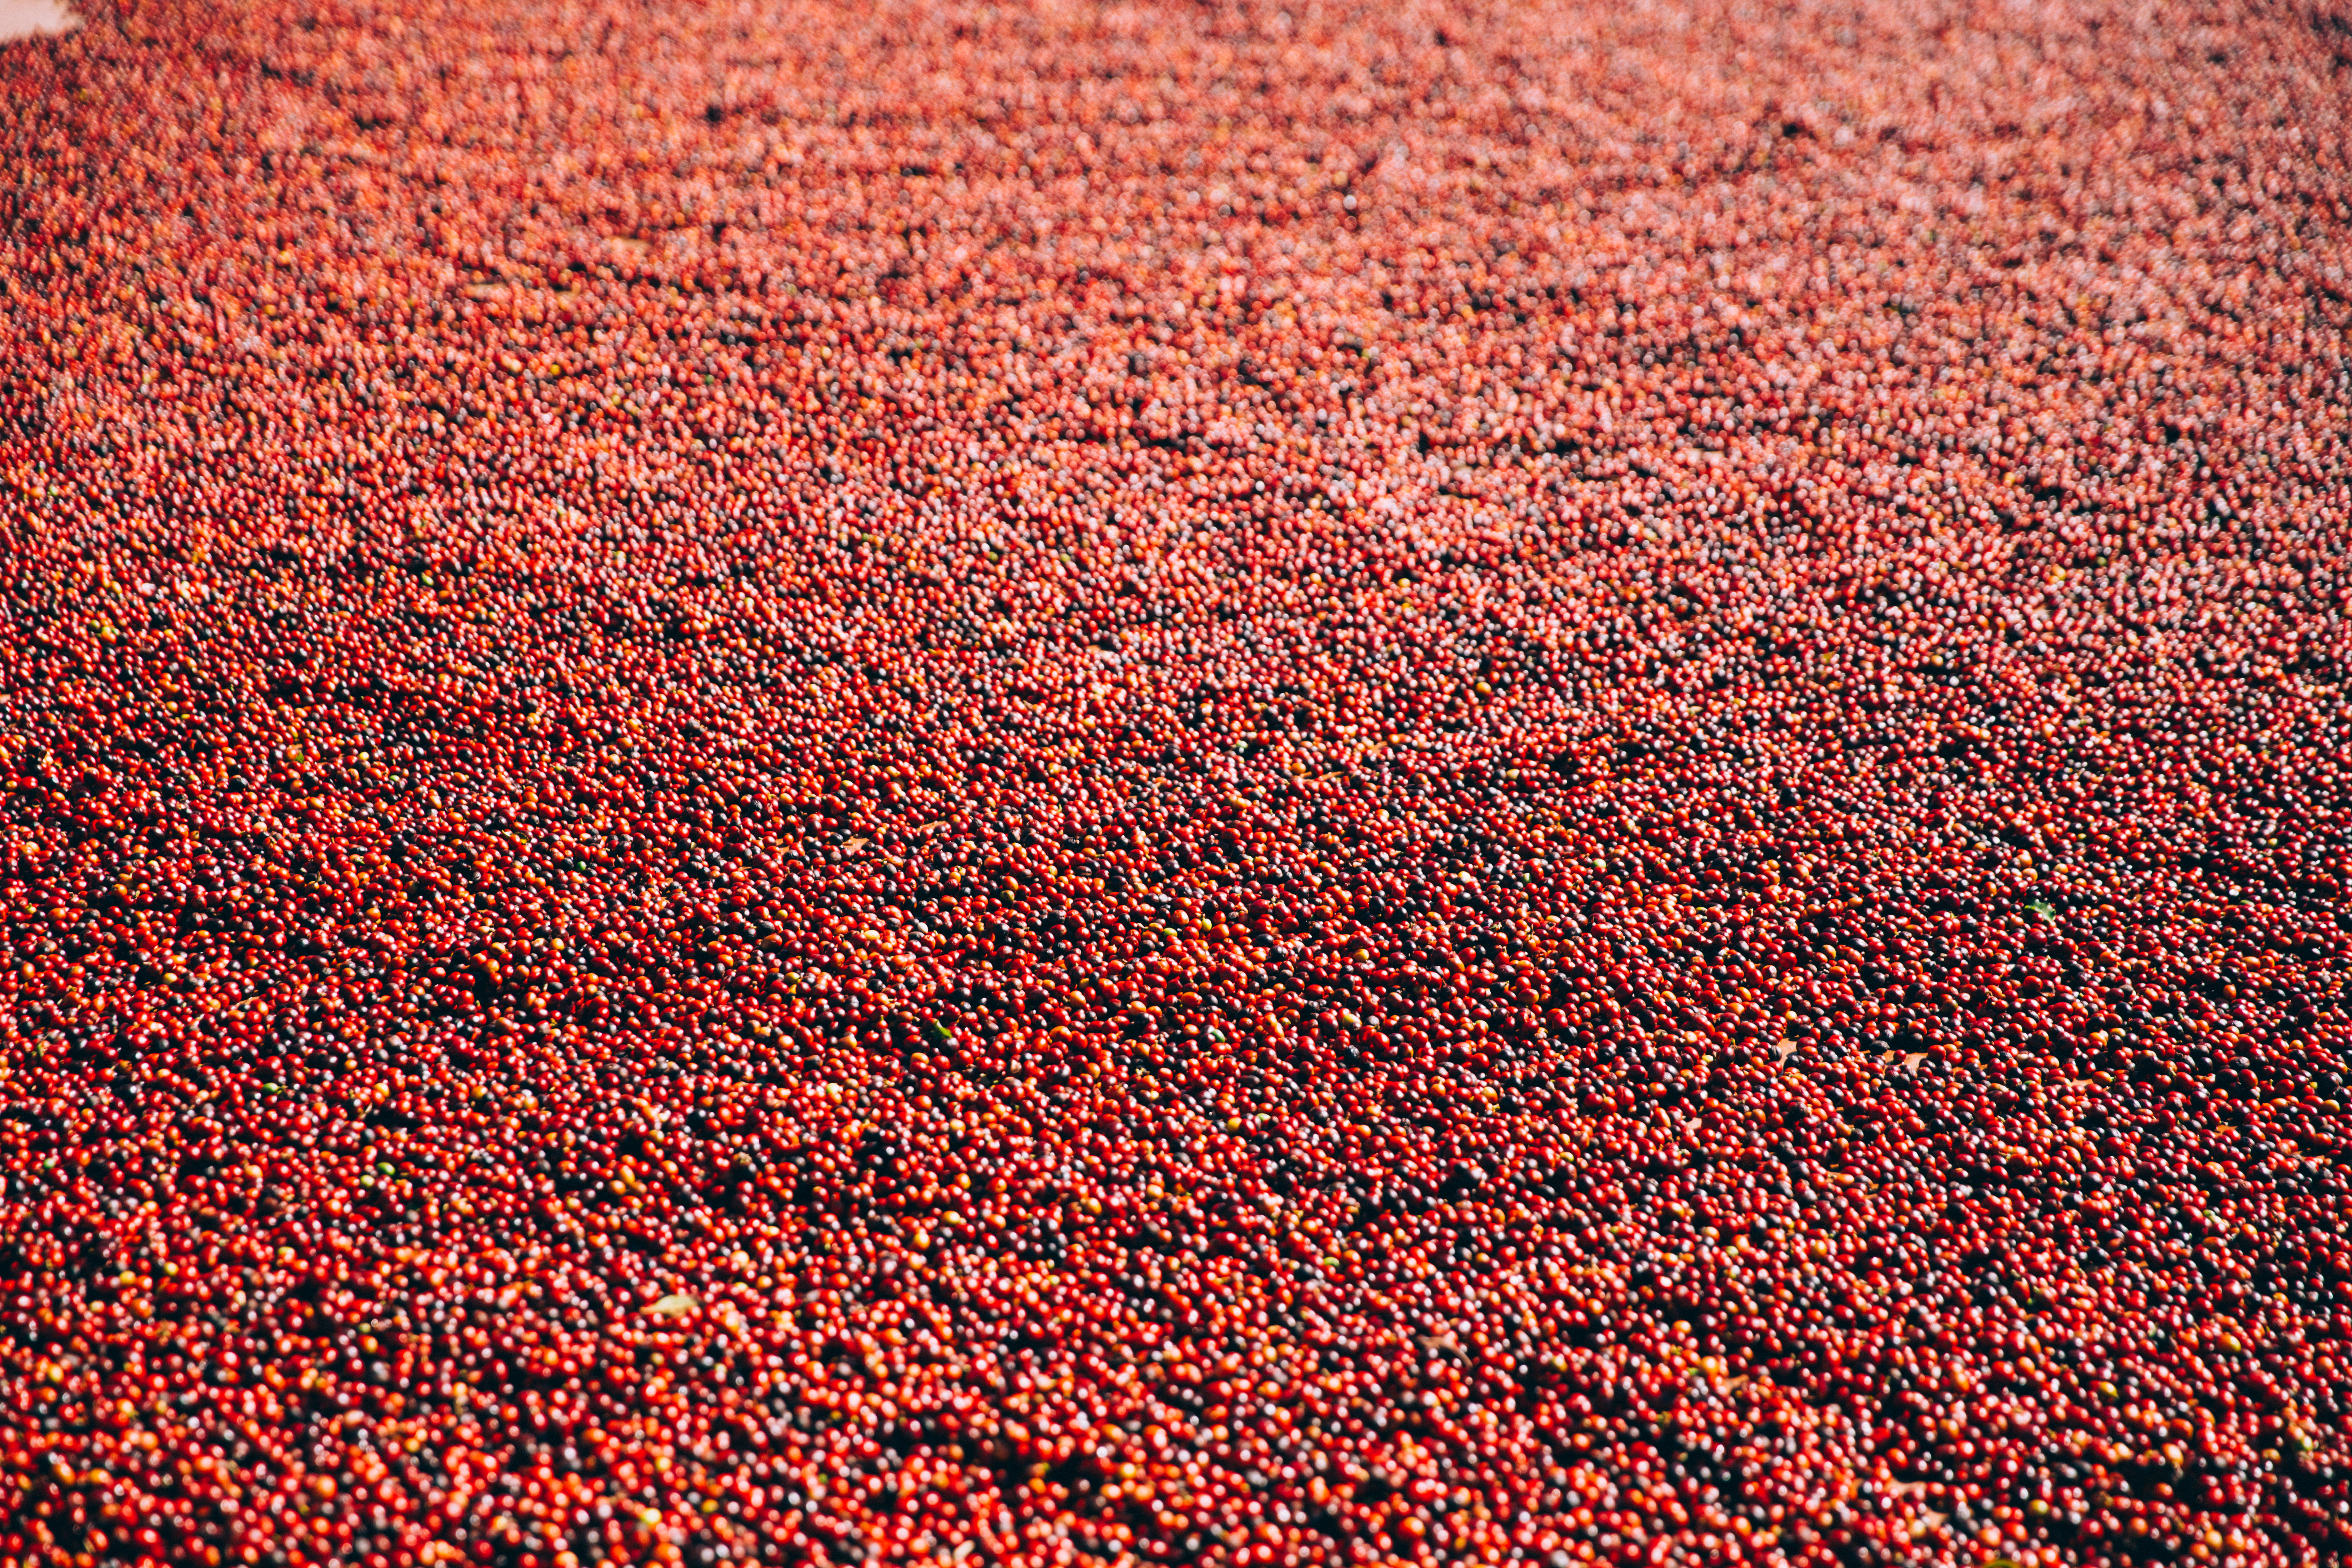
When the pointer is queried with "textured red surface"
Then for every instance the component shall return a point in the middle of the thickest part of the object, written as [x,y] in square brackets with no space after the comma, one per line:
[1203,785]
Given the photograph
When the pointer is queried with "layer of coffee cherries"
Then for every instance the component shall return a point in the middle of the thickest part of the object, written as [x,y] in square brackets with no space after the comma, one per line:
[1259,785]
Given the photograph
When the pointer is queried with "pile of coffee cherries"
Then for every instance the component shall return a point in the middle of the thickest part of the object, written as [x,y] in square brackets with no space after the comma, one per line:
[1242,784]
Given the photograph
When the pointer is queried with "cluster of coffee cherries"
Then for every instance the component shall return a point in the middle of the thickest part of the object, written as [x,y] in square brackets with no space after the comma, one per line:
[1249,783]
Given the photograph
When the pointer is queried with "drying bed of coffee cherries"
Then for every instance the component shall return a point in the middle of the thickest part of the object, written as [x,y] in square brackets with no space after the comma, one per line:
[1166,783]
